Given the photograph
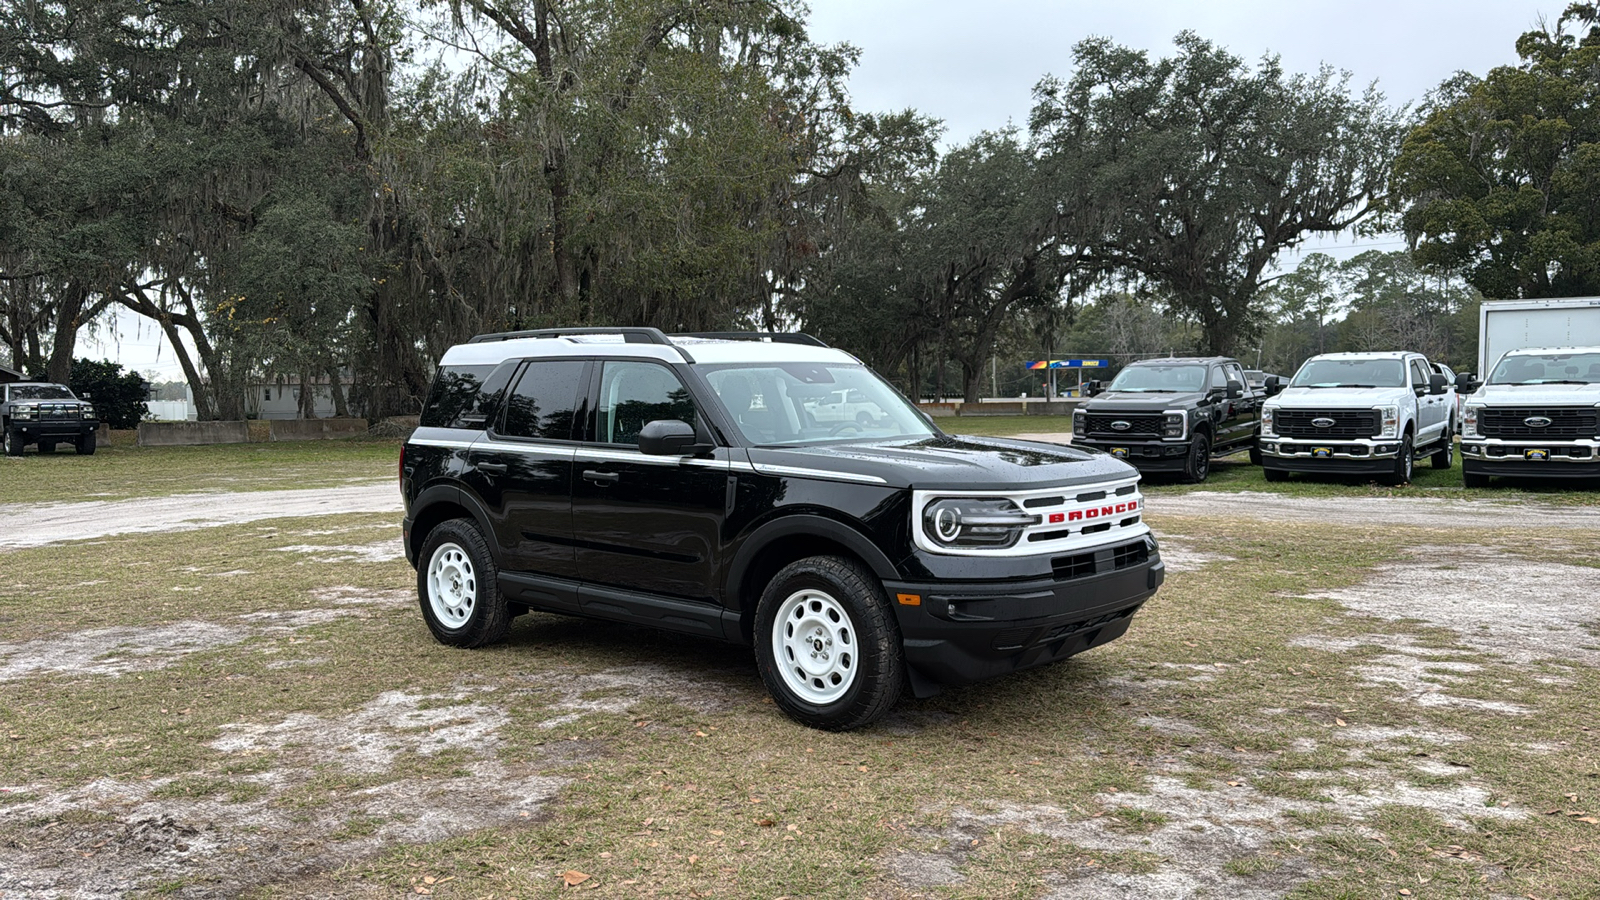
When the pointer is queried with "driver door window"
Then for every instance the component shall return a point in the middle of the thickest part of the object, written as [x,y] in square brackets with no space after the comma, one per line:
[635,393]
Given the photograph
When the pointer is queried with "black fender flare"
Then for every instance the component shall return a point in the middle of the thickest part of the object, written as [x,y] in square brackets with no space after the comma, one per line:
[807,524]
[435,494]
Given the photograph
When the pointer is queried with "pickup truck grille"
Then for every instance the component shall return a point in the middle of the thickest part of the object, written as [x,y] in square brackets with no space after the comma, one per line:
[56,412]
[1564,423]
[1139,425]
[1347,423]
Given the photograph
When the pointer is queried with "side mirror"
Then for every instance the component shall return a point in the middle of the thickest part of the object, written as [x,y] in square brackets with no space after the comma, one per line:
[1235,390]
[1436,383]
[1273,386]
[87,395]
[1466,383]
[667,437]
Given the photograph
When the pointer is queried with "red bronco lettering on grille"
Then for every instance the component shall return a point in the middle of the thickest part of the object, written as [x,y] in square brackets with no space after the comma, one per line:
[1079,515]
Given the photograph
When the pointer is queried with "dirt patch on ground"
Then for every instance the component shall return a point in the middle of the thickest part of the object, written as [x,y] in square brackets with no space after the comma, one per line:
[111,837]
[1180,556]
[1514,608]
[1415,512]
[39,524]
[112,652]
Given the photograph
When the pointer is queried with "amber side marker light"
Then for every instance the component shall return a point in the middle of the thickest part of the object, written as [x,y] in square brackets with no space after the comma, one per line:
[909,599]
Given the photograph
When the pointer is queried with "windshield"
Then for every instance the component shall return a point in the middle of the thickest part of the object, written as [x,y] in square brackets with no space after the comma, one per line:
[1157,379]
[40,392]
[1548,368]
[802,403]
[1350,373]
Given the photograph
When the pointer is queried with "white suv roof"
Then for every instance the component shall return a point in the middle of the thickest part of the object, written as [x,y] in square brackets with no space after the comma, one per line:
[1374,354]
[672,349]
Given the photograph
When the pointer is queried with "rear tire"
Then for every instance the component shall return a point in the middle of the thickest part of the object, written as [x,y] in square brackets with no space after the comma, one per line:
[827,644]
[85,444]
[1198,464]
[458,587]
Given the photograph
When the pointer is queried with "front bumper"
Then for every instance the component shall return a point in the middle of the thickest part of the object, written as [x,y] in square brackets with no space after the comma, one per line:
[34,430]
[960,632]
[1530,459]
[1336,457]
[1146,456]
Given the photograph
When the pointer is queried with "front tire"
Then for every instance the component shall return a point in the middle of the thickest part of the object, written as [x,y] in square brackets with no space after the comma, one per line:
[13,442]
[1474,480]
[85,444]
[1275,474]
[1255,455]
[827,644]
[458,587]
[1445,456]
[1198,464]
[1402,464]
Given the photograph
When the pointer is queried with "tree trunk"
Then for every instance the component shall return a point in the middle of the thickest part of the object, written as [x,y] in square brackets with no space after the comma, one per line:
[340,407]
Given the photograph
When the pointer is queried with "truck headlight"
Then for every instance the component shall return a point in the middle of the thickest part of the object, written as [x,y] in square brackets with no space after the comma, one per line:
[975,522]
[87,411]
[1172,425]
[1267,414]
[23,412]
[1390,416]
[1469,422]
[1078,427]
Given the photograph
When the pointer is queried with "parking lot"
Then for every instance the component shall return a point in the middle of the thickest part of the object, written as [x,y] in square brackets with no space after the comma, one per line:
[1341,691]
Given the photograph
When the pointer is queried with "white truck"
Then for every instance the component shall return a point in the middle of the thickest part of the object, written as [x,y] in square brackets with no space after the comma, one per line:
[1536,411]
[1359,414]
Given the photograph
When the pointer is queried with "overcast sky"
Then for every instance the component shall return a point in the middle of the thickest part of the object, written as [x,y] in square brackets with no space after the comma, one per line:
[973,65]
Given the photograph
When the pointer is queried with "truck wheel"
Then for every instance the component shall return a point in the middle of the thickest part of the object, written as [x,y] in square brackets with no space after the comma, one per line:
[1402,464]
[864,418]
[1474,480]
[827,644]
[458,587]
[1275,474]
[13,443]
[1255,455]
[1198,464]
[1445,456]
[85,444]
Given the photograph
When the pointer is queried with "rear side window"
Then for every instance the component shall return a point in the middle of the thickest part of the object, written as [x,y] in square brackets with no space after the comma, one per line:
[544,403]
[460,398]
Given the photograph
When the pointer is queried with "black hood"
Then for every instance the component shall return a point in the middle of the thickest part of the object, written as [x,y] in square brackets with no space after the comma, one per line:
[954,462]
[1140,401]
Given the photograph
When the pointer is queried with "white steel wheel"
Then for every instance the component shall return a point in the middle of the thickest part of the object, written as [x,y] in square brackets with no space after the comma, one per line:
[814,646]
[452,585]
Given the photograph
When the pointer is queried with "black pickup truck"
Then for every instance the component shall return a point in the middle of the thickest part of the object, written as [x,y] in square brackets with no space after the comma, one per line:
[1174,415]
[33,412]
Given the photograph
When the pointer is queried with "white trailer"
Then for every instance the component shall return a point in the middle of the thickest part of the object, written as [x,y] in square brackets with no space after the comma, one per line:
[1507,325]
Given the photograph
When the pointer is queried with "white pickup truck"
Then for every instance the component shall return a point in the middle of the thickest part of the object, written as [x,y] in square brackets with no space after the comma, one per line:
[1360,414]
[1537,415]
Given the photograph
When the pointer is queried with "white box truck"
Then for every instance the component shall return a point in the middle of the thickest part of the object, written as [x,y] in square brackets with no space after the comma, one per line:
[1536,411]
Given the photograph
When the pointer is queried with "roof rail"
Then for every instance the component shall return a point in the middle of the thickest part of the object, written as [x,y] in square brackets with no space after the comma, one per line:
[776,337]
[630,335]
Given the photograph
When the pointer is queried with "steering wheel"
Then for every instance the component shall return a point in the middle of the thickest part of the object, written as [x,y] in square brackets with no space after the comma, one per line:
[842,427]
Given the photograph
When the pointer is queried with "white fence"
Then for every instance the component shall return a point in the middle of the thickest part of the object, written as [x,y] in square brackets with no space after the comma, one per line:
[169,410]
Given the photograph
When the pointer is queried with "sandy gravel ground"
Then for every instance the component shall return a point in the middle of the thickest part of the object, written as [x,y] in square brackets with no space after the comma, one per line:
[1419,512]
[38,524]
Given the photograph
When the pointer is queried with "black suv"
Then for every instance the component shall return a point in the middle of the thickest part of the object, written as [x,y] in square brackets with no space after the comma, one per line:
[1173,415]
[699,484]
[46,414]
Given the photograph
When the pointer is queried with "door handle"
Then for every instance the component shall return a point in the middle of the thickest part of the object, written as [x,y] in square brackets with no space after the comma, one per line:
[601,477]
[489,468]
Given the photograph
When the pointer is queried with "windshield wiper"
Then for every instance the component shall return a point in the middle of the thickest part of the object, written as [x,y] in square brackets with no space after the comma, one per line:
[1563,381]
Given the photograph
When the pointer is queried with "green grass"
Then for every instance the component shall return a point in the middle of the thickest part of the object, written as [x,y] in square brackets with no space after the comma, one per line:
[692,781]
[124,469]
